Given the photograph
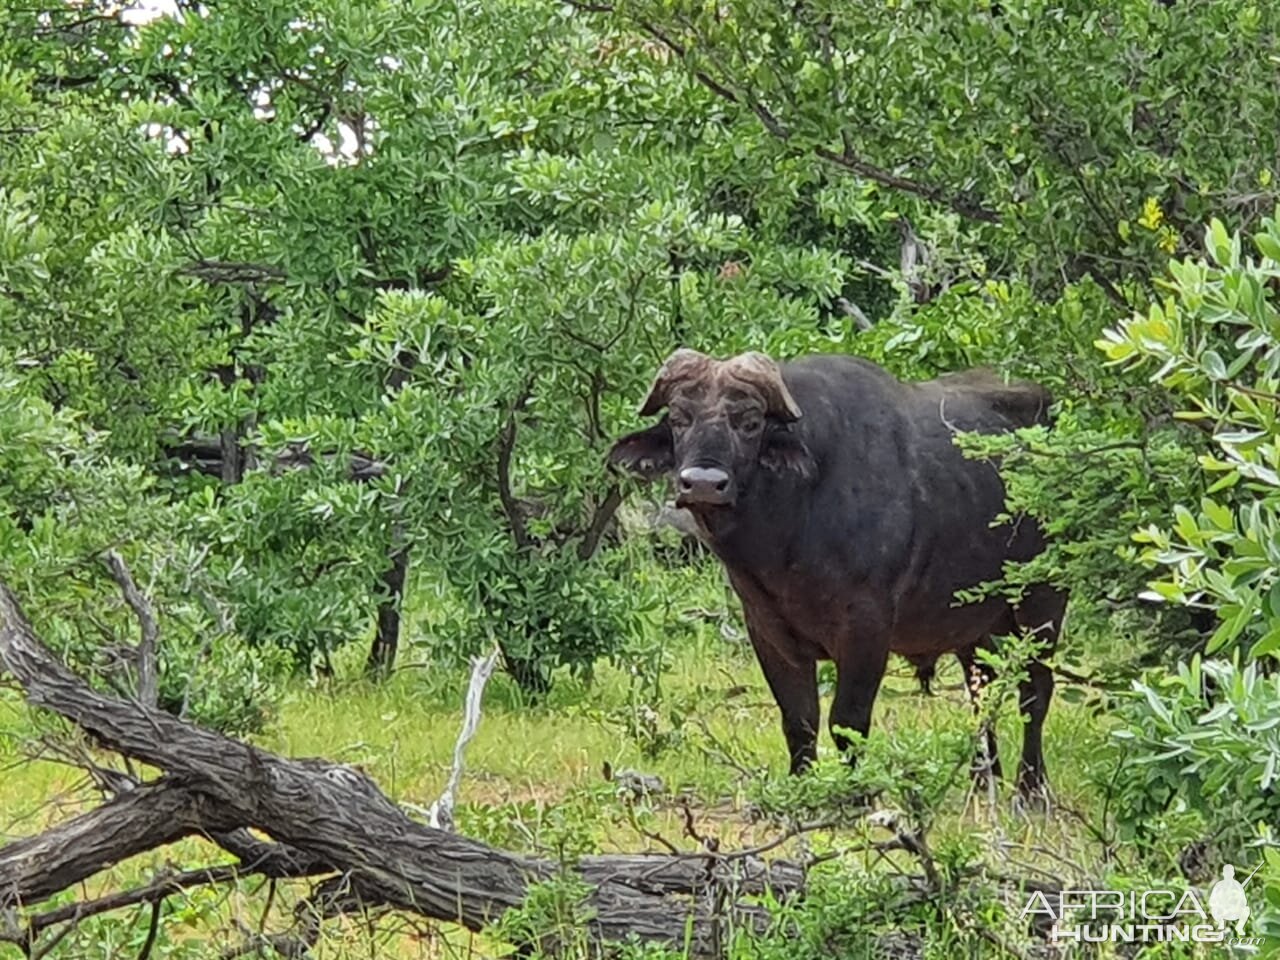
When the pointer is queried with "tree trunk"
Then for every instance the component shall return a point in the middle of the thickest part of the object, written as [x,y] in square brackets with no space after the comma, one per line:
[230,456]
[530,675]
[386,640]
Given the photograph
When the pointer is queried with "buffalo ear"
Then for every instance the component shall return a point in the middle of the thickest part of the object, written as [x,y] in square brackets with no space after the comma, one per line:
[647,453]
[784,452]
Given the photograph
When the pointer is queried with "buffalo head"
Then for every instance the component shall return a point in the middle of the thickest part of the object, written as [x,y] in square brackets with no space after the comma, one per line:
[725,419]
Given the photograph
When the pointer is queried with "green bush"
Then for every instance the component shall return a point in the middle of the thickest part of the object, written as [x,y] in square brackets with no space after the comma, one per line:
[1216,336]
[1200,748]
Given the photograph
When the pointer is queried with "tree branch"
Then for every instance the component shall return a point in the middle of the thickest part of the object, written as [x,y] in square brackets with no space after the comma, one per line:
[227,271]
[164,886]
[506,447]
[335,816]
[142,819]
[148,689]
[441,814]
[600,523]
[960,202]
[854,312]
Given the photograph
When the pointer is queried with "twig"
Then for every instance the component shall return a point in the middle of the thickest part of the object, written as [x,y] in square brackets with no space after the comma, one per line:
[266,908]
[649,834]
[912,842]
[154,892]
[148,691]
[793,831]
[152,929]
[720,752]
[710,844]
[33,954]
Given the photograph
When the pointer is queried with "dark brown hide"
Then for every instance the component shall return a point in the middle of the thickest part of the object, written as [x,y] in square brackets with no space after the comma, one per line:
[847,519]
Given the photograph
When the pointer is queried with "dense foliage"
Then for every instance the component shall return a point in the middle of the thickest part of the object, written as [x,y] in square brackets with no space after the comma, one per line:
[322,316]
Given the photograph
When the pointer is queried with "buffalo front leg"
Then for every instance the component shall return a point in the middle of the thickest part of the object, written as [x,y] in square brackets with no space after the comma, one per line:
[858,676]
[794,685]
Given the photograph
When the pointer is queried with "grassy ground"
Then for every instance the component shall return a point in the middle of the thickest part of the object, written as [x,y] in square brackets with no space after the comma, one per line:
[534,779]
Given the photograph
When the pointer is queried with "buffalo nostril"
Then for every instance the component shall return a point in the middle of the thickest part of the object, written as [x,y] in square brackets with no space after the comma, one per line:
[705,484]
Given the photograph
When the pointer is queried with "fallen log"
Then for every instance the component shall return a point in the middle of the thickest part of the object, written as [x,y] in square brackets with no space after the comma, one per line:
[332,819]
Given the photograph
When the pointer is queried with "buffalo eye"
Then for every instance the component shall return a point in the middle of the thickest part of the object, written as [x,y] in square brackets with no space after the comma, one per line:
[678,419]
[751,424]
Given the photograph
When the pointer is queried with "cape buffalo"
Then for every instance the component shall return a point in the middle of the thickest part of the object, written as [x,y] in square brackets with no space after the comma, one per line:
[847,519]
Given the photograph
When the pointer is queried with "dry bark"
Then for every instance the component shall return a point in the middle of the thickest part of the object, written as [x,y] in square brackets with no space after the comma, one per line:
[332,819]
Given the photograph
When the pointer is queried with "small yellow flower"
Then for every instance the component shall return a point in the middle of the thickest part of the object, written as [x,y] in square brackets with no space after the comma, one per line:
[1152,215]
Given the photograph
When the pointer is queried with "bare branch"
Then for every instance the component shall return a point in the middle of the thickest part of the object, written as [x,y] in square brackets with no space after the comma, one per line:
[853,311]
[153,928]
[231,271]
[155,892]
[148,684]
[959,202]
[205,455]
[441,816]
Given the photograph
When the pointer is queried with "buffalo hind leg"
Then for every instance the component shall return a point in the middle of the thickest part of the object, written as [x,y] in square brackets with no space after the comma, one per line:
[976,676]
[858,679]
[1040,613]
[795,690]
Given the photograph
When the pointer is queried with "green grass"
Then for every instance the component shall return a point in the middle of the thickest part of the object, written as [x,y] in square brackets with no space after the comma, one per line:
[403,732]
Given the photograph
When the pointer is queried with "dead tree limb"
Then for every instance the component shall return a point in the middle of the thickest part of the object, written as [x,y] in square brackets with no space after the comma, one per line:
[142,819]
[335,817]
[145,660]
[441,816]
[203,454]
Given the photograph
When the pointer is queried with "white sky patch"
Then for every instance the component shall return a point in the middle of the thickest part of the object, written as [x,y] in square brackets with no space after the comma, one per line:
[145,11]
[175,143]
[263,108]
[349,145]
